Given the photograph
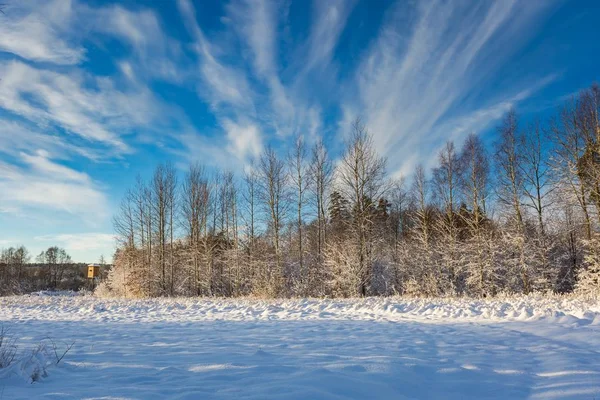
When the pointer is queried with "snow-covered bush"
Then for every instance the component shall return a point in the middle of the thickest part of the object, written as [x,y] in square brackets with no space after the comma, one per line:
[8,349]
[32,365]
[588,283]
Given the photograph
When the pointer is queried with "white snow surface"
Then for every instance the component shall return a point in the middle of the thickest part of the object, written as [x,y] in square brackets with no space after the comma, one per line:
[511,348]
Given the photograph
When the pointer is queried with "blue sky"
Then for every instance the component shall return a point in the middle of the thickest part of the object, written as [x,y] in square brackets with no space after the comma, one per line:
[94,93]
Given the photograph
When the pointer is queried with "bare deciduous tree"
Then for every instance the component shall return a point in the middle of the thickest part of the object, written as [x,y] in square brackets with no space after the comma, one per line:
[321,173]
[362,181]
[509,165]
[298,178]
[273,193]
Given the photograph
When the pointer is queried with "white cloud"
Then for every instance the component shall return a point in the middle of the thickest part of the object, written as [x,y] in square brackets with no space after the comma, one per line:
[244,140]
[418,83]
[227,89]
[92,108]
[41,164]
[429,63]
[482,118]
[256,22]
[221,85]
[271,103]
[46,185]
[39,31]
[199,148]
[155,54]
[52,31]
[16,137]
[68,110]
[329,21]
[259,30]
[80,241]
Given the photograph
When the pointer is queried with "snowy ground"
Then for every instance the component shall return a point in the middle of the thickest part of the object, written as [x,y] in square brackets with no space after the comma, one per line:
[308,349]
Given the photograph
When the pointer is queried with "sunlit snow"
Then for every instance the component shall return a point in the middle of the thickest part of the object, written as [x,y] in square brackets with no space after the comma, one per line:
[308,349]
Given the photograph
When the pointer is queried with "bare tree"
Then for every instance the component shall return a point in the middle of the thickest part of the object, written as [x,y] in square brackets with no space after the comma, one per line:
[420,193]
[423,270]
[124,221]
[510,190]
[145,214]
[535,170]
[249,197]
[249,202]
[298,178]
[362,178]
[399,227]
[55,260]
[475,178]
[229,217]
[21,258]
[569,147]
[446,178]
[321,173]
[163,189]
[588,123]
[124,224]
[13,278]
[171,197]
[509,166]
[479,263]
[351,233]
[446,189]
[195,210]
[273,193]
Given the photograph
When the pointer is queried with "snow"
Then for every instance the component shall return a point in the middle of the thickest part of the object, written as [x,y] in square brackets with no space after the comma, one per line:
[527,347]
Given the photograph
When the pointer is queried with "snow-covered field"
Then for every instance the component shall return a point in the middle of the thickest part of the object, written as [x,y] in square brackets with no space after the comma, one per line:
[307,349]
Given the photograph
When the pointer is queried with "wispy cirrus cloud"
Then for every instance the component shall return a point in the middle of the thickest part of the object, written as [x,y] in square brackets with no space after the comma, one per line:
[257,23]
[244,140]
[84,84]
[221,85]
[95,116]
[329,21]
[252,101]
[40,31]
[79,242]
[414,80]
[290,107]
[55,108]
[18,136]
[227,90]
[41,164]
[92,108]
[153,54]
[422,73]
[37,183]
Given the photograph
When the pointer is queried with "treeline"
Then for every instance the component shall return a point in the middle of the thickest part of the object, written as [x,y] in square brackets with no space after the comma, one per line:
[52,269]
[519,216]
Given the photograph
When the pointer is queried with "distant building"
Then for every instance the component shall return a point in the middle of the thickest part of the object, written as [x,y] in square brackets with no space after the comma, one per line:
[93,271]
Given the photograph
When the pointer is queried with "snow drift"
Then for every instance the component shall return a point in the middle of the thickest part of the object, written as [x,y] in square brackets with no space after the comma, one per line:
[519,348]
[522,308]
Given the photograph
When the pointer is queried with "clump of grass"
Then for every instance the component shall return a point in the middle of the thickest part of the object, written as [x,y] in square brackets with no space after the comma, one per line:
[8,348]
[32,365]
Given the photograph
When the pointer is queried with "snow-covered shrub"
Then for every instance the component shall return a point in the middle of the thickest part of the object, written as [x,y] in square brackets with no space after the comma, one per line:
[123,278]
[589,276]
[32,365]
[8,349]
[412,288]
[103,290]
[343,269]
